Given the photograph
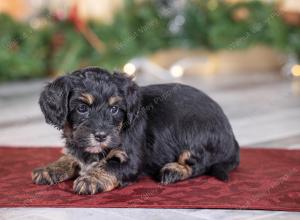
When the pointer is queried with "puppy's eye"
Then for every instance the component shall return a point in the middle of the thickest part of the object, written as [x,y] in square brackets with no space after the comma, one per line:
[114,110]
[82,109]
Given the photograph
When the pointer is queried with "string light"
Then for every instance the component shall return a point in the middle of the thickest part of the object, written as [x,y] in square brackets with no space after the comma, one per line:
[296,70]
[212,4]
[129,68]
[176,71]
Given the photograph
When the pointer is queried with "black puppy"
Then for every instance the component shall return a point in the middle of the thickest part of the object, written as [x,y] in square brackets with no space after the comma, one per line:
[116,131]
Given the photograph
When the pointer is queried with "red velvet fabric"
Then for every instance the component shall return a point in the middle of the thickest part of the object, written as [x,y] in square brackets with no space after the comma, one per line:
[266,179]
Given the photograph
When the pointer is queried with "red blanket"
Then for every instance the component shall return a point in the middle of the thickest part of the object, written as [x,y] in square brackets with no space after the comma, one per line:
[266,179]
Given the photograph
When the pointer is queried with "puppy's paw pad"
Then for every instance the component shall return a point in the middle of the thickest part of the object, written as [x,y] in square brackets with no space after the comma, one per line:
[41,176]
[87,185]
[168,176]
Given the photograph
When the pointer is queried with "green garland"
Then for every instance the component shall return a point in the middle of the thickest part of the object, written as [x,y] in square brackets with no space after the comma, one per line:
[22,50]
[140,29]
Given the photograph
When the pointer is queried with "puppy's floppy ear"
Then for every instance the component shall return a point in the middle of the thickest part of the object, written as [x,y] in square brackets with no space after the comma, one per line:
[132,97]
[131,93]
[54,102]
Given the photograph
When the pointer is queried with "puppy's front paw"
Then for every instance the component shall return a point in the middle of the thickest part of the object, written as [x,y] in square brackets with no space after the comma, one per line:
[95,182]
[47,176]
[87,185]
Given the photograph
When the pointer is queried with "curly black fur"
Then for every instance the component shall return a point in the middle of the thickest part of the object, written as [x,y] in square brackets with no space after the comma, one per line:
[169,131]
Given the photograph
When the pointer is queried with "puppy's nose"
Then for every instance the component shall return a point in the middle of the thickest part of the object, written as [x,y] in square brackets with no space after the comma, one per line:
[100,136]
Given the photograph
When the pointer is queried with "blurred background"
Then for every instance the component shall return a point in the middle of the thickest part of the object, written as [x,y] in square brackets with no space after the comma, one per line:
[245,54]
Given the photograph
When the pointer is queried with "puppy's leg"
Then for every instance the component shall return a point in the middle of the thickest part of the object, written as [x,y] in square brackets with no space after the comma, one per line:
[104,175]
[221,170]
[187,166]
[63,169]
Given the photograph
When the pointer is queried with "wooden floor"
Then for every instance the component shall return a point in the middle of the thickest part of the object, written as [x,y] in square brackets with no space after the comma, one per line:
[263,108]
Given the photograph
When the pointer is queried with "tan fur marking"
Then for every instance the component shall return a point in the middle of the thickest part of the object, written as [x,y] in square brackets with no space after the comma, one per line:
[46,175]
[113,100]
[184,170]
[183,157]
[118,153]
[62,169]
[82,187]
[90,182]
[120,126]
[108,180]
[67,131]
[87,98]
[94,178]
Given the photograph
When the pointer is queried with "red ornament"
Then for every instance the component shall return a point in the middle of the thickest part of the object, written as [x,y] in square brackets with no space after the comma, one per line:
[75,18]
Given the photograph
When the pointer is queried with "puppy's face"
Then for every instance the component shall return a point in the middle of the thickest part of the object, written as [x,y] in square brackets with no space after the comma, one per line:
[96,117]
[91,107]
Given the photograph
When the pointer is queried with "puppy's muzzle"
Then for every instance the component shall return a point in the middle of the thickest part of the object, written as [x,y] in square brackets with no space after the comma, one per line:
[100,136]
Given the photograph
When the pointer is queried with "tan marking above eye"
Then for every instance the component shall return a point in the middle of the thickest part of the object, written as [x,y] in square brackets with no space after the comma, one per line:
[87,98]
[113,100]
